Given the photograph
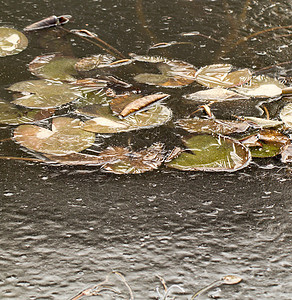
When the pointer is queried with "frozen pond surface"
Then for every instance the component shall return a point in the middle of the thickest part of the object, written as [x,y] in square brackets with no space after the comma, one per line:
[63,229]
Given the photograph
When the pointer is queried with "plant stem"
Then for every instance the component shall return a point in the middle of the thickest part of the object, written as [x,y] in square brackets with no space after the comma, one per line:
[114,52]
[205,289]
[21,158]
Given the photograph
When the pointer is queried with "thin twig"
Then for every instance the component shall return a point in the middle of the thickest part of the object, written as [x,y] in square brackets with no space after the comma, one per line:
[244,11]
[203,290]
[5,140]
[273,66]
[162,282]
[246,38]
[114,52]
[22,158]
[123,279]
[266,111]
[141,17]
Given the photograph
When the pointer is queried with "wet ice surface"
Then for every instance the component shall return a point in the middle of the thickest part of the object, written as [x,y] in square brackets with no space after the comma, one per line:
[62,233]
[63,230]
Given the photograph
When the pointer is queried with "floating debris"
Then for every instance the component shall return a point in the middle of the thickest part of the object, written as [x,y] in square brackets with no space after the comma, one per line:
[48,22]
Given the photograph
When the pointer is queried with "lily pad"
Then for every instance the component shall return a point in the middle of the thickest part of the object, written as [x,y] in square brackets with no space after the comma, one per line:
[93,62]
[105,122]
[11,41]
[220,75]
[76,159]
[272,143]
[286,115]
[88,85]
[44,93]
[263,123]
[212,153]
[11,115]
[53,66]
[148,58]
[216,94]
[175,73]
[123,161]
[89,99]
[66,137]
[223,127]
[287,154]
[261,87]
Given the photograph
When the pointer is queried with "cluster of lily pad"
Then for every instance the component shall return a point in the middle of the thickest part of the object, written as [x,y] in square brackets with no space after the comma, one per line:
[104,104]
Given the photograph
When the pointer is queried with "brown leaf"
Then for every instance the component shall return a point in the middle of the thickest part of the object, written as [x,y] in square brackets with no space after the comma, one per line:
[141,103]
[119,102]
[126,162]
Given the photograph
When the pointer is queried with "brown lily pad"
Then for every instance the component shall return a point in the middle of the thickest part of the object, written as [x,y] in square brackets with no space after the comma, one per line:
[105,122]
[217,94]
[287,154]
[124,161]
[66,137]
[77,159]
[93,62]
[261,87]
[213,126]
[286,115]
[221,75]
[174,73]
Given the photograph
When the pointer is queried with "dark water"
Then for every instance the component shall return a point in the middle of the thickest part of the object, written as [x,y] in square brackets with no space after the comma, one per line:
[64,229]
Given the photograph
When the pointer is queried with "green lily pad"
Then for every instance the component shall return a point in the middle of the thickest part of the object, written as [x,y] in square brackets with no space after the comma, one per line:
[261,87]
[266,150]
[11,115]
[286,115]
[54,67]
[220,75]
[44,93]
[217,94]
[92,98]
[11,41]
[66,137]
[272,143]
[105,122]
[175,73]
[213,126]
[123,161]
[212,153]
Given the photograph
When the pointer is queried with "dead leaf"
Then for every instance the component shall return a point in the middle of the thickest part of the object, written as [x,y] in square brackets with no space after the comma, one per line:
[140,103]
[123,161]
